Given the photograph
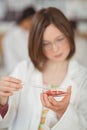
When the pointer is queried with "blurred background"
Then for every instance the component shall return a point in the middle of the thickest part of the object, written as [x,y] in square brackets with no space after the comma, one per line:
[75,11]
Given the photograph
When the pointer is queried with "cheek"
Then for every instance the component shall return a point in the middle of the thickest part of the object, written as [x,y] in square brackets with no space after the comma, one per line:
[66,48]
[46,53]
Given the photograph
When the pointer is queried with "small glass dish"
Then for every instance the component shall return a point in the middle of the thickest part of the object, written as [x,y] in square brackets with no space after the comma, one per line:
[55,93]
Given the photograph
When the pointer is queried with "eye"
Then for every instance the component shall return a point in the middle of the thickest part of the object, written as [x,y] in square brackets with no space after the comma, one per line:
[60,39]
[45,44]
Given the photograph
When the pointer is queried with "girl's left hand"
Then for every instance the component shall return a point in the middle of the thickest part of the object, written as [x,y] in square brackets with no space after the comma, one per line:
[57,106]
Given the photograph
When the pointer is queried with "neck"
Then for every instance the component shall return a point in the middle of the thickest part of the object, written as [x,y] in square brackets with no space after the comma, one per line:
[54,73]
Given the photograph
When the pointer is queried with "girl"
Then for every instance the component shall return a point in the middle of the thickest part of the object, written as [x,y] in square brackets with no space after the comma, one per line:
[27,107]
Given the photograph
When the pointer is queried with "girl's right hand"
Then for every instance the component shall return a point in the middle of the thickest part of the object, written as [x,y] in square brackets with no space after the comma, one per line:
[8,85]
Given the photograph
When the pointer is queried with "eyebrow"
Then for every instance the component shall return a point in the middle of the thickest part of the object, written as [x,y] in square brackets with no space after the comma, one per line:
[60,36]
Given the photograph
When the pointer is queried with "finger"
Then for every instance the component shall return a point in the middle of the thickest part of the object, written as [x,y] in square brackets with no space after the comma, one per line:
[45,100]
[12,85]
[6,94]
[11,79]
[69,89]
[8,89]
[9,85]
[47,103]
[53,101]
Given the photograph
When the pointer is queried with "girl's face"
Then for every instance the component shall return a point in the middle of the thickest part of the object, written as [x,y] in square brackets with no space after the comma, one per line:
[55,45]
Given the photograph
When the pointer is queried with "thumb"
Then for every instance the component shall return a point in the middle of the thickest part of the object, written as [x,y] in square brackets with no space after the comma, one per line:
[67,97]
[69,89]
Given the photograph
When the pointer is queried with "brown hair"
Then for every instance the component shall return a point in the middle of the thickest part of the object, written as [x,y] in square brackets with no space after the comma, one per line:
[41,20]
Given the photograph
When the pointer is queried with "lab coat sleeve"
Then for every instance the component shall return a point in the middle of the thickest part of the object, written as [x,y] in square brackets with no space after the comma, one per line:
[75,117]
[11,113]
[68,121]
[13,101]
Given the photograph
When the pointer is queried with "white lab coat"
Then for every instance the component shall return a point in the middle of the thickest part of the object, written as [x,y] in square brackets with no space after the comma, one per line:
[25,106]
[15,47]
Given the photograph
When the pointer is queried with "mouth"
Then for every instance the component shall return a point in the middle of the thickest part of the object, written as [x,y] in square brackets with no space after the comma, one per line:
[58,55]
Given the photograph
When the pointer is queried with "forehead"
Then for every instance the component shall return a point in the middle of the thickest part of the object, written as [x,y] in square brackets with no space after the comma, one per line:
[51,32]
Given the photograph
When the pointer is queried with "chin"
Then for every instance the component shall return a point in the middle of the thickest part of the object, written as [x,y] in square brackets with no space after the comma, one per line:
[58,59]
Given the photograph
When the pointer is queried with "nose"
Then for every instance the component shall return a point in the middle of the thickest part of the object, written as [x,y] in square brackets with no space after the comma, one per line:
[55,48]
